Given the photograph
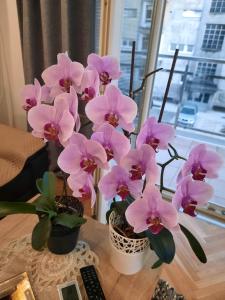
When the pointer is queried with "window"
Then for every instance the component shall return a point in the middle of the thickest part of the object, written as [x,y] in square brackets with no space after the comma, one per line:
[144,43]
[126,44]
[204,69]
[130,13]
[190,48]
[174,46]
[217,6]
[147,13]
[213,37]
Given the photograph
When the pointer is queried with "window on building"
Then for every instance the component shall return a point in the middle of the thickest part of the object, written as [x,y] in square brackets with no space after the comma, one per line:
[213,37]
[127,44]
[190,48]
[217,6]
[204,69]
[130,13]
[146,13]
[144,42]
[174,46]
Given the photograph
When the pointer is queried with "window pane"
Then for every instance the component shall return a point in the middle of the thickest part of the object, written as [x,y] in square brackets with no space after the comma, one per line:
[135,29]
[196,102]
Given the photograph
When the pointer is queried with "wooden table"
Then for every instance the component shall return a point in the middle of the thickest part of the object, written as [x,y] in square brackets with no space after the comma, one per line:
[189,277]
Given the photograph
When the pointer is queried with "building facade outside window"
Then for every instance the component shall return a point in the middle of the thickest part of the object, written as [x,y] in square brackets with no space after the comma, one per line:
[130,13]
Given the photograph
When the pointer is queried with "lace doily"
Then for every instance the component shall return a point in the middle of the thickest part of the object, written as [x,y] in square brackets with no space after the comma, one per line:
[123,244]
[44,268]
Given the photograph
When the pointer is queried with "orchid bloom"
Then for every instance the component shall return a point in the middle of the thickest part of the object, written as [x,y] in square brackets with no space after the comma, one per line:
[202,163]
[113,108]
[141,161]
[72,100]
[63,75]
[151,212]
[106,66]
[116,145]
[34,94]
[191,193]
[155,134]
[52,123]
[89,85]
[82,155]
[118,182]
[82,187]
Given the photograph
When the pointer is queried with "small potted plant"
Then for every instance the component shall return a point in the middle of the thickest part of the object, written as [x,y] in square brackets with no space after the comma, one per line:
[60,217]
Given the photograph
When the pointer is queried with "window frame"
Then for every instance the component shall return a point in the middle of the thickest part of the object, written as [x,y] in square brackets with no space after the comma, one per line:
[210,37]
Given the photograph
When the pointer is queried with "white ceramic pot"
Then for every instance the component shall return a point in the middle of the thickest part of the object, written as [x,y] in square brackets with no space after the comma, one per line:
[128,256]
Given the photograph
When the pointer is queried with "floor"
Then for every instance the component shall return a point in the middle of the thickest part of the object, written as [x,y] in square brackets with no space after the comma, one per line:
[183,146]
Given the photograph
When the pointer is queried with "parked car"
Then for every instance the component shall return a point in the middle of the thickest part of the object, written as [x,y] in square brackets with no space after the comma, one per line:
[188,115]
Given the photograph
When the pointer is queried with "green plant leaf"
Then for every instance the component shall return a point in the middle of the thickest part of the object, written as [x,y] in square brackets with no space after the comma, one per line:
[46,185]
[195,245]
[163,244]
[41,233]
[44,204]
[9,208]
[157,264]
[69,221]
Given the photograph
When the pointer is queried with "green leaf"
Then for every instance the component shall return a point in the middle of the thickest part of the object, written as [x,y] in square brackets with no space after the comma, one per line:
[108,213]
[163,244]
[69,221]
[9,208]
[41,233]
[195,245]
[44,204]
[157,264]
[46,185]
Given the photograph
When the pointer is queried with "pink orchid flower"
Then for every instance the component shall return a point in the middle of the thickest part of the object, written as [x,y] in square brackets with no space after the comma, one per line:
[72,100]
[82,187]
[106,66]
[141,162]
[151,212]
[191,193]
[202,163]
[155,134]
[52,123]
[82,155]
[113,108]
[34,94]
[89,85]
[116,145]
[63,75]
[118,182]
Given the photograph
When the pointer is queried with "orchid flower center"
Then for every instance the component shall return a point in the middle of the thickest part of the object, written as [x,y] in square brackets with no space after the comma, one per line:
[136,172]
[51,131]
[30,103]
[153,142]
[85,193]
[154,224]
[66,83]
[88,165]
[109,152]
[189,206]
[112,119]
[88,94]
[104,78]
[198,172]
[122,190]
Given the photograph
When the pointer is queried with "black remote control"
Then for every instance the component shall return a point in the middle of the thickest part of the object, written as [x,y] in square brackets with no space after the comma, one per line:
[91,283]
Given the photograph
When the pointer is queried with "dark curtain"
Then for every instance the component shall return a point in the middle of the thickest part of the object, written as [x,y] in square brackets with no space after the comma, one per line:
[48,27]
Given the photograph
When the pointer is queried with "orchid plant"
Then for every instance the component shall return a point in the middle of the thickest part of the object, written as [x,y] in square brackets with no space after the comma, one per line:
[129,182]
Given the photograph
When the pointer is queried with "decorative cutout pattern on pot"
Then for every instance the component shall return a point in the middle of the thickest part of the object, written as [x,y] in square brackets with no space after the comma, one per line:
[124,244]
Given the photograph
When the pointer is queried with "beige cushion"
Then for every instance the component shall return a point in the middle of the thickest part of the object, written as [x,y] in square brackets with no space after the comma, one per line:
[16,146]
